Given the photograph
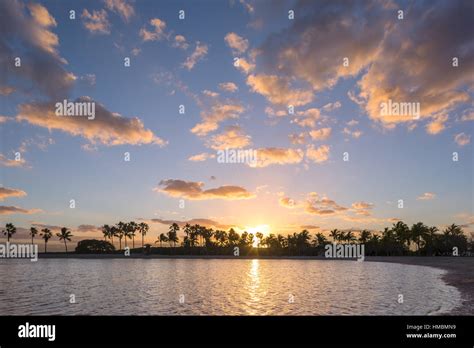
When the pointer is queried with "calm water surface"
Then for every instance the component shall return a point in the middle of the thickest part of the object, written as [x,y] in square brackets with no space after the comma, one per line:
[228,287]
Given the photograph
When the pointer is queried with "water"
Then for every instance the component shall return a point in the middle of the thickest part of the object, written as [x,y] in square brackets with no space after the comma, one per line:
[221,287]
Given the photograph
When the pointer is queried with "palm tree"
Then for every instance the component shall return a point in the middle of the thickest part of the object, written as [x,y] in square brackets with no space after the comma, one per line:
[133,227]
[319,239]
[119,232]
[64,235]
[259,236]
[106,232]
[364,236]
[418,234]
[33,233]
[221,237]
[349,237]
[162,238]
[334,234]
[207,234]
[233,237]
[10,231]
[143,228]
[46,235]
[173,234]
[113,233]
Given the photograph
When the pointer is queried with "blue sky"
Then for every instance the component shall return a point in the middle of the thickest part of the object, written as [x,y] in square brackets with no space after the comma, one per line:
[291,61]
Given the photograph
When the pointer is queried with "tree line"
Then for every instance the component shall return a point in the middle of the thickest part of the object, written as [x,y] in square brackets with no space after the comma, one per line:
[400,239]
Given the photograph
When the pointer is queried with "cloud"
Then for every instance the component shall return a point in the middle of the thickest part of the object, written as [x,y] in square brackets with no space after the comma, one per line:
[158,32]
[248,7]
[468,115]
[50,227]
[237,43]
[410,68]
[199,53]
[124,9]
[352,123]
[210,93]
[6,192]
[6,90]
[362,208]
[201,157]
[277,90]
[396,60]
[307,118]
[353,133]
[194,190]
[245,66]
[4,161]
[9,210]
[87,228]
[26,32]
[96,22]
[232,138]
[330,25]
[437,125]
[320,134]
[332,106]
[462,139]
[297,139]
[361,205]
[287,202]
[180,42]
[228,87]
[316,205]
[272,112]
[318,155]
[426,196]
[273,155]
[219,111]
[107,128]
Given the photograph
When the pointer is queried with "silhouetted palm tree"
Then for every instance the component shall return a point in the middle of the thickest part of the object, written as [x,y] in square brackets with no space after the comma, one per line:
[121,233]
[233,237]
[10,230]
[319,239]
[46,235]
[33,233]
[162,238]
[65,235]
[364,236]
[173,234]
[334,234]
[259,236]
[106,232]
[221,237]
[132,228]
[143,229]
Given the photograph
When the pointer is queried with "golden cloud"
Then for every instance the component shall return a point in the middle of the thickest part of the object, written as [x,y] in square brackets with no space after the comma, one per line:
[6,192]
[273,155]
[194,190]
[278,90]
[107,128]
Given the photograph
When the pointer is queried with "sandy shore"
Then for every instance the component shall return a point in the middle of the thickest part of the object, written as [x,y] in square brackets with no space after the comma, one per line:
[460,270]
[460,274]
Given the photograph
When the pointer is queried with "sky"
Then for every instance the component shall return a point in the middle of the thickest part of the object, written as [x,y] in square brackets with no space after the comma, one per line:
[302,83]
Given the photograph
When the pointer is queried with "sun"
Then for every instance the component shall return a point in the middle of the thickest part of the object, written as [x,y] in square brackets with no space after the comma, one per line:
[264,229]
